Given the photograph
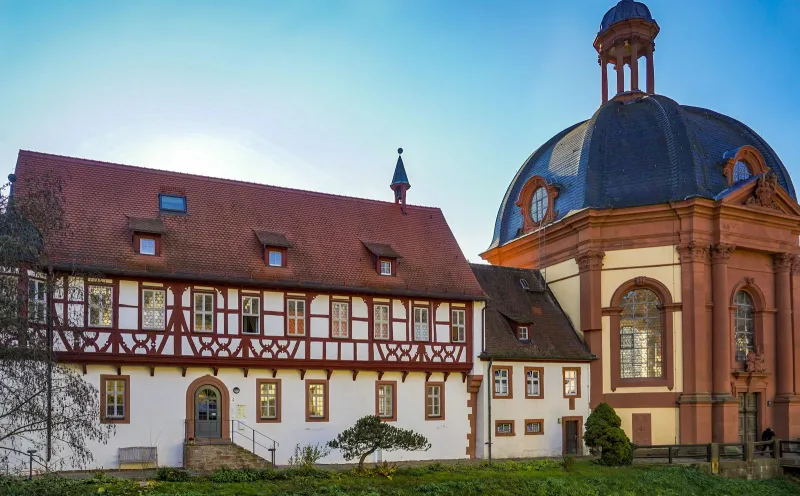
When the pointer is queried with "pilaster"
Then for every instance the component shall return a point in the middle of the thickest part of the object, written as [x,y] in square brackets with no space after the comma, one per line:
[725,407]
[695,402]
[590,264]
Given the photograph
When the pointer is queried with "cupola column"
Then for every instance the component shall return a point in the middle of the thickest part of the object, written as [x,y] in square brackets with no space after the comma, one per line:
[604,76]
[635,66]
[651,72]
[620,67]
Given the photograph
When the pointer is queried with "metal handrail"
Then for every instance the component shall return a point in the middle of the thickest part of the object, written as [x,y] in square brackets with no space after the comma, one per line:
[272,450]
[234,424]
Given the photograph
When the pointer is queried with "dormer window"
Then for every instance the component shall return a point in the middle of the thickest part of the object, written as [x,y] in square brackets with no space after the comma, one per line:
[384,258]
[172,203]
[275,258]
[147,246]
[275,246]
[522,333]
[740,164]
[147,235]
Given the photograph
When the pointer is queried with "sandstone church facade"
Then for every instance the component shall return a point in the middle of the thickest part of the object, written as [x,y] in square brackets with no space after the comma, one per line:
[669,234]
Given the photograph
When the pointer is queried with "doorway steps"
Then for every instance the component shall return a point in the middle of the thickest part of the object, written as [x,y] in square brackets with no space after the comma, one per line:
[211,455]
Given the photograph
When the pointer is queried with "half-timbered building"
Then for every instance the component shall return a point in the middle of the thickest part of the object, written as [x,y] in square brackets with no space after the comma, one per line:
[218,311]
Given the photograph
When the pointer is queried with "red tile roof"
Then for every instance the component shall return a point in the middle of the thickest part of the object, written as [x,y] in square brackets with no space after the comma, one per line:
[216,239]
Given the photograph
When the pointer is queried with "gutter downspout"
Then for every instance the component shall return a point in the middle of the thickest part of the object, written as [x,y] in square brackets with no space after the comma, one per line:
[489,397]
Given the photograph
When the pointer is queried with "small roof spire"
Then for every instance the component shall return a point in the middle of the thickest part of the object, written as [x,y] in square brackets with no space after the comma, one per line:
[400,176]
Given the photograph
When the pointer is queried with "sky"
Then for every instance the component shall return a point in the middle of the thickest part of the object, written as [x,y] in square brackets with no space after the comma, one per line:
[319,95]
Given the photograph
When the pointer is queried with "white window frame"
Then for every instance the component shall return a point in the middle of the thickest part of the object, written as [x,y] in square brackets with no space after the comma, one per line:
[458,325]
[385,400]
[154,309]
[203,311]
[37,300]
[98,306]
[279,254]
[142,241]
[570,383]
[380,325]
[503,431]
[251,313]
[341,321]
[421,324]
[500,380]
[118,391]
[386,267]
[433,393]
[292,316]
[523,333]
[532,431]
[265,394]
[529,383]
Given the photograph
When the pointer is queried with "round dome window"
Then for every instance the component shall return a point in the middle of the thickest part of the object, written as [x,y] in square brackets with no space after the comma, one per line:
[539,204]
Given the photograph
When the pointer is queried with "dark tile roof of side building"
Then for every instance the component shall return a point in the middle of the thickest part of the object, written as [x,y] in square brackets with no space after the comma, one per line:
[219,238]
[552,336]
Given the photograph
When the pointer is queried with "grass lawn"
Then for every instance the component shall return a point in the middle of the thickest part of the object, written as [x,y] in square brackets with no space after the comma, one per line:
[505,478]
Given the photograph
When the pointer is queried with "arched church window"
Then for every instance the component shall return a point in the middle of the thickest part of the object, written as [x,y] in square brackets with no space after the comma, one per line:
[641,335]
[539,204]
[744,325]
[741,171]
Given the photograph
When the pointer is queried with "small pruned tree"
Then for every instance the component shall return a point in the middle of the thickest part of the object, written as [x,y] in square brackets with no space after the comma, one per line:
[604,437]
[371,434]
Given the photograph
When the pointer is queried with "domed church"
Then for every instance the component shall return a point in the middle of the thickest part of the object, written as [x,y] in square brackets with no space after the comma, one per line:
[669,235]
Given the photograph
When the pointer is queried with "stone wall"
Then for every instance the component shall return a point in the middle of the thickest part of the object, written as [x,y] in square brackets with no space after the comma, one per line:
[212,456]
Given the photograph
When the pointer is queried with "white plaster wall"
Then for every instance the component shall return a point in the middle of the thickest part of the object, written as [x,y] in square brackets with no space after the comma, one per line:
[158,409]
[551,408]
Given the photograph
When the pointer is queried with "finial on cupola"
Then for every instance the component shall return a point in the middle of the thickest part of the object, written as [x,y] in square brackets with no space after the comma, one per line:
[400,182]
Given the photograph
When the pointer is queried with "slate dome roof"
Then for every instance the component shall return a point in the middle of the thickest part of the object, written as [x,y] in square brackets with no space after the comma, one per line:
[624,10]
[648,151]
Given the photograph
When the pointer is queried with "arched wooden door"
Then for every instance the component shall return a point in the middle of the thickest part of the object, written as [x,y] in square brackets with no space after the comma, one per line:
[207,418]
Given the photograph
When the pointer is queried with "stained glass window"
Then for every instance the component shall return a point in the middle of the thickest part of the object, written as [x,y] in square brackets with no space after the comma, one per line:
[153,309]
[100,307]
[641,335]
[744,326]
[539,204]
[297,318]
[741,171]
[340,319]
[381,321]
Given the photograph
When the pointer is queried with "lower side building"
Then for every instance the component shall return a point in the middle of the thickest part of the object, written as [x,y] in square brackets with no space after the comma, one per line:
[168,408]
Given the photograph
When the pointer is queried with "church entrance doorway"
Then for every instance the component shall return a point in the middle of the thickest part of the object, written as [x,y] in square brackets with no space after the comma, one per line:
[748,417]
